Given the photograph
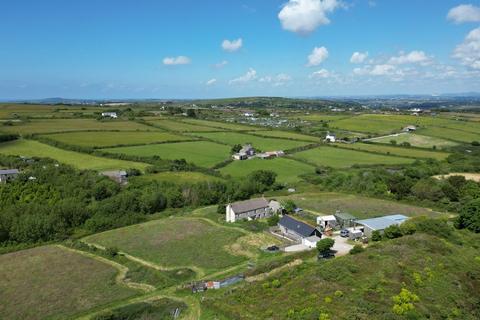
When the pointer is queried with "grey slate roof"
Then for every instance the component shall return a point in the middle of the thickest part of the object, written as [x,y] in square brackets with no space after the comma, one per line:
[9,171]
[249,205]
[382,223]
[303,229]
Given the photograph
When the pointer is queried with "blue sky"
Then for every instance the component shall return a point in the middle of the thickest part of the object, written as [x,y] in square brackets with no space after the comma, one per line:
[201,49]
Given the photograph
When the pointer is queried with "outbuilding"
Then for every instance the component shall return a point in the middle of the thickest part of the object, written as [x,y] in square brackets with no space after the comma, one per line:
[381,223]
[311,241]
[297,229]
[344,219]
[8,174]
[325,221]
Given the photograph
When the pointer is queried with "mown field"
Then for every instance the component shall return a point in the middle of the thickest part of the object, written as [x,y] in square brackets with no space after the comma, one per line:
[221,125]
[325,203]
[417,140]
[181,177]
[451,134]
[108,139]
[51,282]
[396,150]
[62,125]
[264,144]
[31,148]
[180,126]
[343,158]
[175,242]
[287,170]
[288,135]
[201,153]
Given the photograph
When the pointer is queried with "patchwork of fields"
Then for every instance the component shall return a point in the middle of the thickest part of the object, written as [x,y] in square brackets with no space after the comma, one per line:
[397,151]
[181,126]
[288,135]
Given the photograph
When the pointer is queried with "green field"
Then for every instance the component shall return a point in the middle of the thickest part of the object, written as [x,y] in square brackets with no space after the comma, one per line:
[180,177]
[288,135]
[321,117]
[451,134]
[62,125]
[417,140]
[201,153]
[264,144]
[52,282]
[287,170]
[175,242]
[326,203]
[109,139]
[342,158]
[180,126]
[221,125]
[397,151]
[30,148]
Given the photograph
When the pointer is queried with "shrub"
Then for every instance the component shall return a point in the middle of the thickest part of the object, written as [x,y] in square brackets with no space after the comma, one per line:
[324,245]
[357,249]
[221,209]
[276,283]
[376,236]
[273,220]
[111,251]
[403,302]
[339,293]
[469,217]
[392,232]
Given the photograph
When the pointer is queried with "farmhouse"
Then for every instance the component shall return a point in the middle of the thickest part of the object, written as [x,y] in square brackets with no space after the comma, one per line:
[8,174]
[297,229]
[250,209]
[330,137]
[380,223]
[244,153]
[112,115]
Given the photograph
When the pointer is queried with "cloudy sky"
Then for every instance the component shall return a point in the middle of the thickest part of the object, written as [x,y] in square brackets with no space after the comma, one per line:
[219,48]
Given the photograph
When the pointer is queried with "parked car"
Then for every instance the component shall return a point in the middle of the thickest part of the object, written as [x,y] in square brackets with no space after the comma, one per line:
[326,255]
[344,233]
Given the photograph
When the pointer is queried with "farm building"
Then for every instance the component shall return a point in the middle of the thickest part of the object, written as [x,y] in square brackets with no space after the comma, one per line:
[8,174]
[330,137]
[311,241]
[297,229]
[251,209]
[271,154]
[410,129]
[119,176]
[344,220]
[244,153]
[380,223]
[327,221]
[109,115]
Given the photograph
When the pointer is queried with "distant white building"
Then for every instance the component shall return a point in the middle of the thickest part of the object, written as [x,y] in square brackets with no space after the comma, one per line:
[8,174]
[248,114]
[112,115]
[330,137]
[410,129]
[251,209]
[244,153]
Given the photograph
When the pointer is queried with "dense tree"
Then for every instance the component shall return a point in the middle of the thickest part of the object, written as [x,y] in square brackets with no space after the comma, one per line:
[469,217]
[325,245]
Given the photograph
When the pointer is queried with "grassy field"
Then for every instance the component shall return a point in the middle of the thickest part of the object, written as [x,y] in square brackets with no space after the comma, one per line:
[373,123]
[201,153]
[221,125]
[180,177]
[342,158]
[321,117]
[180,126]
[108,138]
[51,282]
[264,144]
[30,148]
[12,110]
[362,286]
[288,135]
[451,134]
[417,140]
[175,242]
[397,151]
[326,203]
[62,125]
[287,170]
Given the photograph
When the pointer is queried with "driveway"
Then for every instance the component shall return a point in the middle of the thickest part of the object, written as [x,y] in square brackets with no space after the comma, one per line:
[297,248]
[341,245]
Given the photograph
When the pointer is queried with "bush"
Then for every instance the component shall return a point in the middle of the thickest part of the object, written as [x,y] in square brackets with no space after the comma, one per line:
[221,209]
[392,232]
[276,283]
[273,220]
[469,217]
[357,249]
[324,245]
[376,236]
[111,251]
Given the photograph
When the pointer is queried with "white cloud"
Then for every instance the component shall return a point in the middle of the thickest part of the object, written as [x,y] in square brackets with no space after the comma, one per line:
[317,56]
[249,76]
[211,82]
[375,70]
[172,61]
[232,46]
[358,57]
[278,80]
[464,13]
[320,74]
[411,57]
[304,16]
[468,52]
[221,64]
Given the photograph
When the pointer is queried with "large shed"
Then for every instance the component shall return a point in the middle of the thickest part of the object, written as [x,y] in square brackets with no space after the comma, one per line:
[380,223]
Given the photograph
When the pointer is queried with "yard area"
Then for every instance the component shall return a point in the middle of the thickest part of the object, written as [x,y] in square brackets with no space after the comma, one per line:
[264,144]
[110,139]
[343,158]
[31,148]
[51,282]
[201,153]
[176,242]
[287,170]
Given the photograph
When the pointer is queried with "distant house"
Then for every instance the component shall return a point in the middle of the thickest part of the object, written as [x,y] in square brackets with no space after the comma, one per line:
[410,129]
[381,223]
[297,229]
[330,137]
[112,115]
[8,174]
[345,220]
[244,153]
[119,176]
[250,209]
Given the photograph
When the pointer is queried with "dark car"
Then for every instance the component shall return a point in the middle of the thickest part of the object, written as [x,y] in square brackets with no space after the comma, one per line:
[326,255]
[344,233]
